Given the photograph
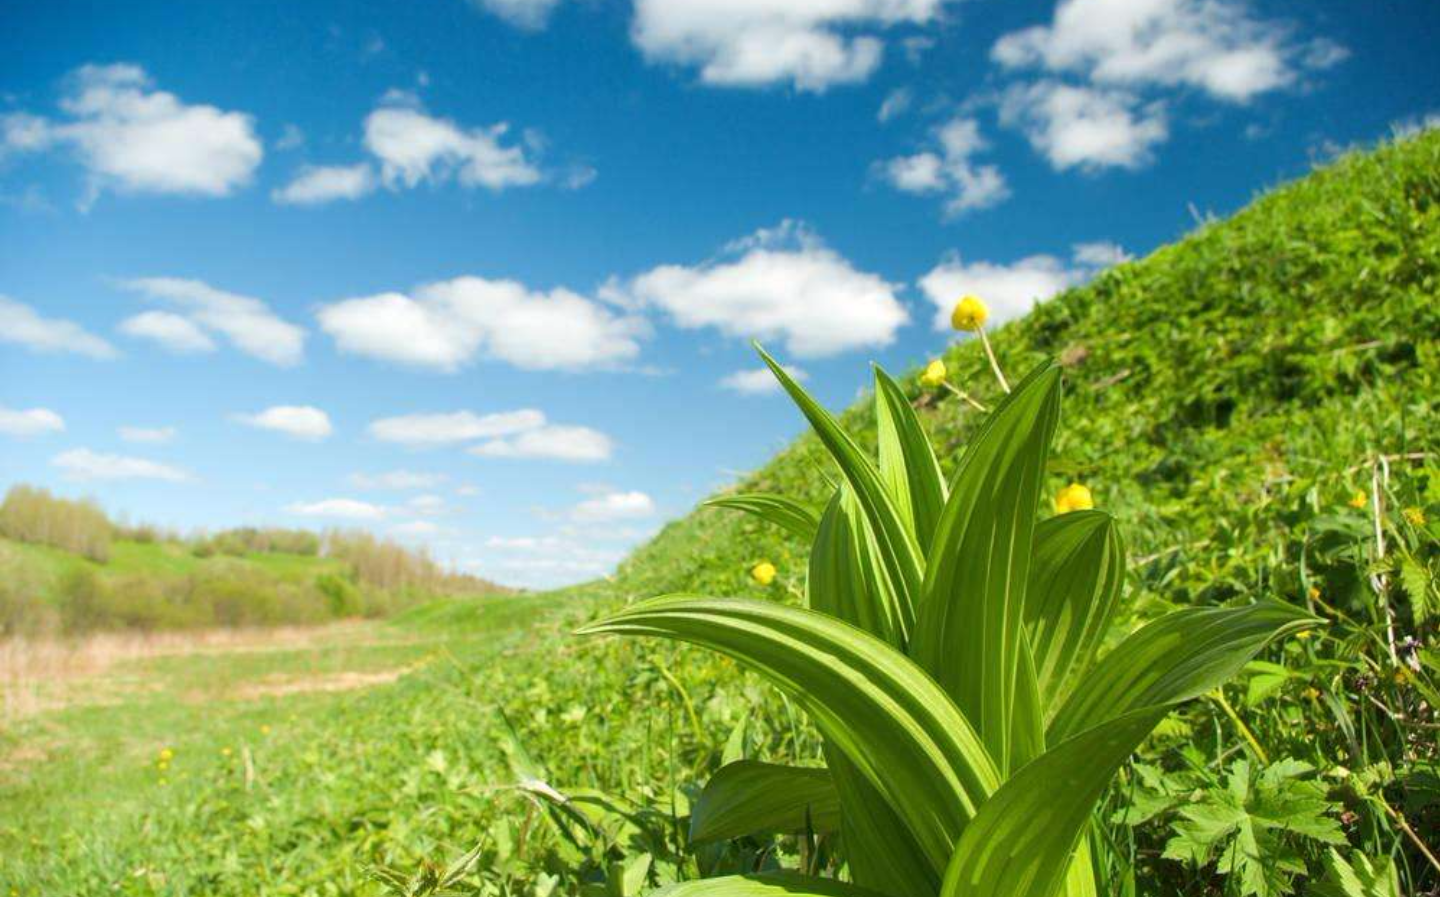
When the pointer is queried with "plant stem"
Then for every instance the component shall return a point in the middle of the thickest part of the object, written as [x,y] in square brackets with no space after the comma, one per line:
[1260,754]
[1378,580]
[994,364]
[964,395]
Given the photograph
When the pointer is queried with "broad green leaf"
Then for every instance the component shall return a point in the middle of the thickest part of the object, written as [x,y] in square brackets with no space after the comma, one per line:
[969,623]
[847,574]
[1179,656]
[871,702]
[775,884]
[881,852]
[894,539]
[1022,841]
[747,796]
[1363,878]
[907,462]
[1076,572]
[1027,734]
[786,513]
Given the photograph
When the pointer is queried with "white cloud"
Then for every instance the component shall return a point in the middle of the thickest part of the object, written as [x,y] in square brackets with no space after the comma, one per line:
[247,323]
[396,480]
[132,138]
[299,421]
[1085,127]
[458,426]
[316,184]
[951,170]
[554,442]
[758,381]
[781,283]
[338,509]
[527,14]
[415,147]
[83,464]
[1100,254]
[175,332]
[1216,46]
[22,325]
[811,44]
[447,324]
[897,103]
[426,505]
[152,435]
[610,506]
[1012,290]
[29,421]
[415,528]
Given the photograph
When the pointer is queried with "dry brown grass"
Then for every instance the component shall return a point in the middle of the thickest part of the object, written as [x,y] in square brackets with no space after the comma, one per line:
[43,674]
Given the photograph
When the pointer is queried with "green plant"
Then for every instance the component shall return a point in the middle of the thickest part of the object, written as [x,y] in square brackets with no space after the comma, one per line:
[949,655]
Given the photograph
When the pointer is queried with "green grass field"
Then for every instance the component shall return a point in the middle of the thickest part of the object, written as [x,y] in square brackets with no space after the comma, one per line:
[1225,399]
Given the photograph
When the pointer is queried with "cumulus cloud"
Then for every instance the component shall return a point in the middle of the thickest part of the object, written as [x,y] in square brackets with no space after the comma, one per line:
[897,102]
[21,325]
[415,529]
[397,480]
[1085,127]
[1012,290]
[316,184]
[1216,46]
[608,506]
[782,284]
[247,323]
[454,427]
[152,435]
[758,381]
[338,509]
[29,421]
[810,44]
[950,170]
[298,421]
[553,442]
[132,138]
[175,332]
[447,324]
[83,464]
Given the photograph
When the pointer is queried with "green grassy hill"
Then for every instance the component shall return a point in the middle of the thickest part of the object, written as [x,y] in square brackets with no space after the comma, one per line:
[1225,399]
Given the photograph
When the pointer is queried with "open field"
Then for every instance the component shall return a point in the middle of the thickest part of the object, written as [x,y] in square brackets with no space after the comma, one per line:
[1255,406]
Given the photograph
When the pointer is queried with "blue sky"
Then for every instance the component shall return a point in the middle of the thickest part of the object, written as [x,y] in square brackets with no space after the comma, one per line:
[482,275]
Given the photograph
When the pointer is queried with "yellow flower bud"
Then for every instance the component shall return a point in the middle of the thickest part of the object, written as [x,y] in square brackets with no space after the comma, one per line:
[166,755]
[264,728]
[969,314]
[934,374]
[1416,516]
[763,573]
[1073,497]
[1358,500]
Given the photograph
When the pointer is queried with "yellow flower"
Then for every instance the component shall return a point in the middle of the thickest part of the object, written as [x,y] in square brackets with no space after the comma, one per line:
[763,573]
[1358,500]
[1314,594]
[1073,497]
[934,374]
[1416,516]
[163,765]
[166,755]
[1312,692]
[264,728]
[969,314]
[225,752]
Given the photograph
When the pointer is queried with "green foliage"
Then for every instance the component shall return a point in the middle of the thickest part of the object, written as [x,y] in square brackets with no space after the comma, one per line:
[34,515]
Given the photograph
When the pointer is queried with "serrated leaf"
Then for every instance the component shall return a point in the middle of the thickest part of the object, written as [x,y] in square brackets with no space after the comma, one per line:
[749,797]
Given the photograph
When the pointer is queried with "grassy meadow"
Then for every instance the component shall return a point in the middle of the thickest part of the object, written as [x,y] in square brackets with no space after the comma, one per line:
[1256,407]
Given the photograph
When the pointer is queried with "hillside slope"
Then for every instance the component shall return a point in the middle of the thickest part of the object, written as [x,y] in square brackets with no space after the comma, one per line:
[1217,391]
